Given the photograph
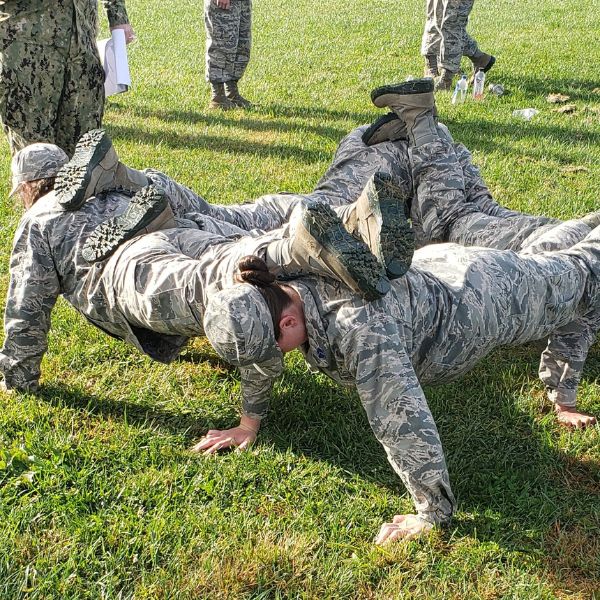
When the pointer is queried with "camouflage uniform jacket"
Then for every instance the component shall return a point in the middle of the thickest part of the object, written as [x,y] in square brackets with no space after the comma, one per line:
[45,262]
[53,25]
[150,293]
[452,308]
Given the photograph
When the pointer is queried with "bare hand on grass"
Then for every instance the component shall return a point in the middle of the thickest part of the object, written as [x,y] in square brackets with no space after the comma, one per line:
[574,419]
[402,527]
[240,437]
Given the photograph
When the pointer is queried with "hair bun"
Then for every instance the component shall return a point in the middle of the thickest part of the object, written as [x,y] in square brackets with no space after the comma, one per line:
[253,269]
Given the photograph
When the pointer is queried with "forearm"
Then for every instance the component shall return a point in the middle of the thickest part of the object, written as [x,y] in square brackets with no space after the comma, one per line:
[21,376]
[32,293]
[116,12]
[401,420]
[256,388]
[562,361]
[24,347]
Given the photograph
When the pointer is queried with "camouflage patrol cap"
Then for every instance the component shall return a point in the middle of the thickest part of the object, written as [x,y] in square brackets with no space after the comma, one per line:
[239,325]
[36,161]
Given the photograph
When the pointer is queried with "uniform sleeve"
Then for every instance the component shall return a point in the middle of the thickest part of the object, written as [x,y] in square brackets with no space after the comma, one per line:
[256,393]
[116,12]
[257,383]
[32,293]
[399,416]
[563,359]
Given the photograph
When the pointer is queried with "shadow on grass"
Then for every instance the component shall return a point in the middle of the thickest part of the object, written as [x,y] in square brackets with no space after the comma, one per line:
[215,143]
[278,111]
[319,112]
[476,133]
[493,136]
[579,90]
[173,422]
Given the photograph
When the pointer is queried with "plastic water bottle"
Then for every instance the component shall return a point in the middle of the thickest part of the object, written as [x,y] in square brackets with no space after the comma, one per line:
[478,83]
[460,90]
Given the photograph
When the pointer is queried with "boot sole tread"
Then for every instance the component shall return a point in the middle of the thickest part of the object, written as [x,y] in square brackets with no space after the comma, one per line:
[143,208]
[414,86]
[396,237]
[323,225]
[73,179]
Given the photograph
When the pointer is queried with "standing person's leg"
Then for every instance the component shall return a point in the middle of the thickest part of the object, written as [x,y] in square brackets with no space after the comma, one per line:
[451,46]
[471,49]
[30,90]
[469,45]
[430,43]
[81,106]
[242,56]
[222,32]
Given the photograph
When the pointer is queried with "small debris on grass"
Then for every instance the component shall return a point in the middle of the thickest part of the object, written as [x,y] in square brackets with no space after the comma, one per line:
[567,109]
[496,89]
[574,169]
[557,98]
[596,91]
[525,113]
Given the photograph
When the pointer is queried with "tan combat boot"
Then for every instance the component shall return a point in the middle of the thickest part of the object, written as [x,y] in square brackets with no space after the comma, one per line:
[387,128]
[319,244]
[218,99]
[148,211]
[233,94]
[94,168]
[414,104]
[379,218]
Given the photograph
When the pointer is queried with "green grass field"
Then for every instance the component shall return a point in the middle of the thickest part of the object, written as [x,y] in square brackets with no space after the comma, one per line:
[99,497]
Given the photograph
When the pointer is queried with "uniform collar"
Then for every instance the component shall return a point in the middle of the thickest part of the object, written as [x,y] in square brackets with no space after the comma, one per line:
[317,348]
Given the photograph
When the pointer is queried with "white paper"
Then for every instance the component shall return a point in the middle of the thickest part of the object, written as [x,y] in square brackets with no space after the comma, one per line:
[113,55]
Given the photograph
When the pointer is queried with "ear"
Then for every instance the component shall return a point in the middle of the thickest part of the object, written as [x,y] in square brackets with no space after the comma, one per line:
[287,321]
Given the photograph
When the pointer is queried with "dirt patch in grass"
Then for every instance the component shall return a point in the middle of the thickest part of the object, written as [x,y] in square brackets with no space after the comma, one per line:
[573,556]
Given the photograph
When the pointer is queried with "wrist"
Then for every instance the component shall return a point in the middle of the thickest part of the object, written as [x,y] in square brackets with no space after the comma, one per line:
[249,424]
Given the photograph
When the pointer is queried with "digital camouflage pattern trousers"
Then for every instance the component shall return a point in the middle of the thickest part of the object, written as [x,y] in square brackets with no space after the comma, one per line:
[450,202]
[228,40]
[445,34]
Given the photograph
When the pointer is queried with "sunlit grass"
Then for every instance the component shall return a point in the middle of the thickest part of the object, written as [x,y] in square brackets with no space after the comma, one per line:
[99,497]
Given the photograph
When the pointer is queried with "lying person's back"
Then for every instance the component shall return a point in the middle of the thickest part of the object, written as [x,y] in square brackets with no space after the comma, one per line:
[453,307]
